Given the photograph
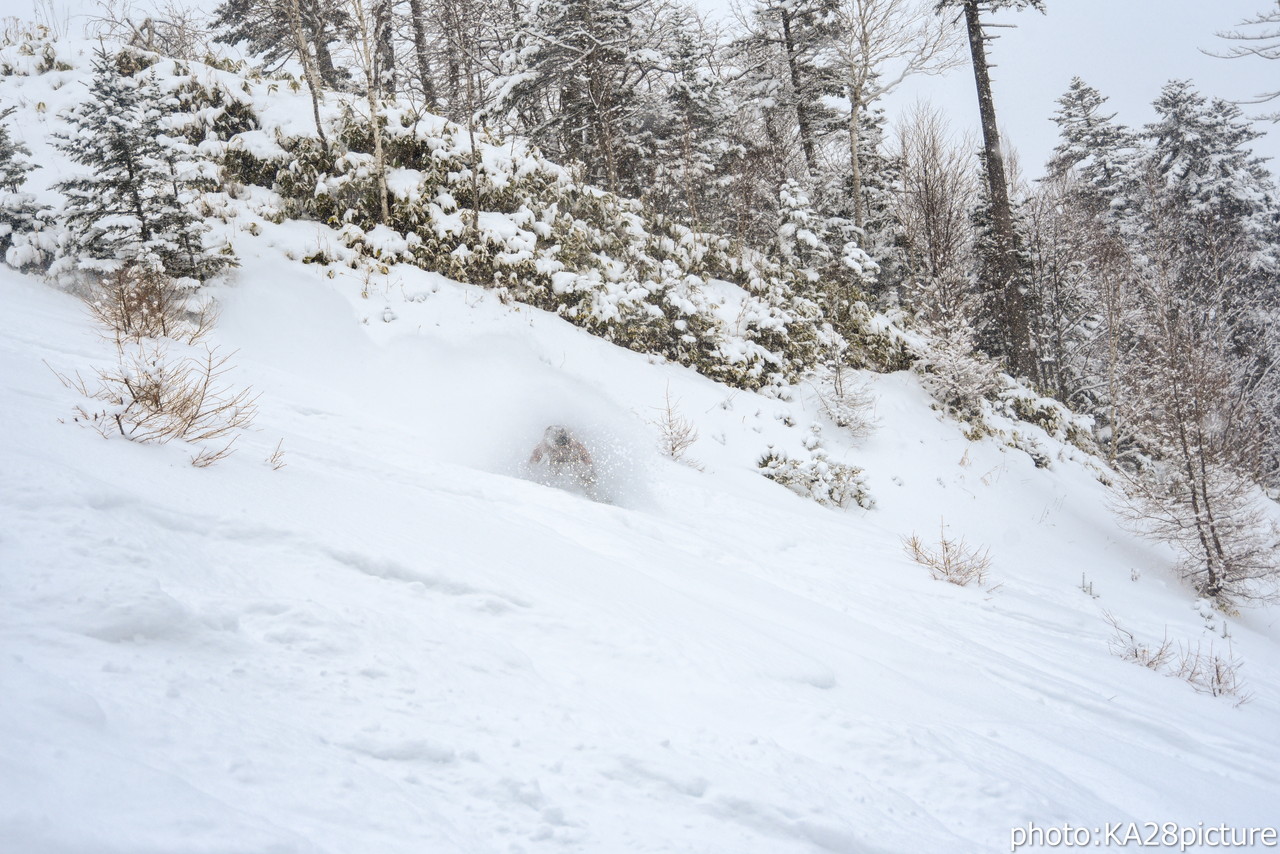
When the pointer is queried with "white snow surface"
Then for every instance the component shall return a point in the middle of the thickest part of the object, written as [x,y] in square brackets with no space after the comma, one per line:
[400,642]
[397,644]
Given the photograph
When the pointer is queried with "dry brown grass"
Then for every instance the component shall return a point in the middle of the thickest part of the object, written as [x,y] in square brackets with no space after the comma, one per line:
[276,458]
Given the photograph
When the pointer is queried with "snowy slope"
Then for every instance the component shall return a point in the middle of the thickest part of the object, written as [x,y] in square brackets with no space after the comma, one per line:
[400,643]
[397,644]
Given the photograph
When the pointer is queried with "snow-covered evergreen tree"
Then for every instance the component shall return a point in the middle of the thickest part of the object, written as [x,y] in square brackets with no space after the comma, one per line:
[575,80]
[833,270]
[685,134]
[879,179]
[1004,266]
[1094,150]
[266,30]
[795,39]
[1200,161]
[133,205]
[14,165]
[20,216]
[1065,288]
[1206,190]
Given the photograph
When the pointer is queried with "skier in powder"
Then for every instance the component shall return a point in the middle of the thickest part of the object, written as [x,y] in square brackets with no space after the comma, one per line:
[564,461]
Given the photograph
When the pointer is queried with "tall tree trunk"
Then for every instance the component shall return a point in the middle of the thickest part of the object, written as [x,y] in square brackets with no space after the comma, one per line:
[1014,318]
[308,66]
[802,113]
[314,31]
[386,53]
[417,16]
[379,156]
[364,39]
[855,159]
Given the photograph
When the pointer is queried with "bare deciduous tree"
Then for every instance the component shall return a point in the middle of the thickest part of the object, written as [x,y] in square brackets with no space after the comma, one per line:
[309,71]
[1256,36]
[932,205]
[1202,404]
[881,43]
[366,42]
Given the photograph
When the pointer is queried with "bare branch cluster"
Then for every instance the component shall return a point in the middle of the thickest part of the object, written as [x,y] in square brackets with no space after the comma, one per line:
[1256,36]
[1204,669]
[149,396]
[136,303]
[1124,644]
[171,28]
[152,394]
[676,434]
[953,560]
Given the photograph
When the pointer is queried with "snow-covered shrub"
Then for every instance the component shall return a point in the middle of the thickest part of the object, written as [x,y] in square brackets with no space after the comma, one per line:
[1017,401]
[846,399]
[875,342]
[511,220]
[831,268]
[958,377]
[818,478]
[26,236]
[202,109]
[31,50]
[1028,445]
[29,235]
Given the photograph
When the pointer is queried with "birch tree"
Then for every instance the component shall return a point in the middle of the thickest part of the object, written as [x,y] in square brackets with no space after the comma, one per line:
[879,44]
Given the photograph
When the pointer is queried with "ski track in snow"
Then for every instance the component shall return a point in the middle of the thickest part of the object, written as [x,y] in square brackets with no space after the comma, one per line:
[397,643]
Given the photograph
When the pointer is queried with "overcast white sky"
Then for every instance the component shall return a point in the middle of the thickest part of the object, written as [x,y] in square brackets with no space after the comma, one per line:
[1127,49]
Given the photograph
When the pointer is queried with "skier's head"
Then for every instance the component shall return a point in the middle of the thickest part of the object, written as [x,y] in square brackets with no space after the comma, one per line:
[557,436]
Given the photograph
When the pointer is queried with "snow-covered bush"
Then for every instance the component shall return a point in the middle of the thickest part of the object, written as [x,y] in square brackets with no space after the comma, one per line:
[1017,401]
[875,341]
[1028,445]
[818,478]
[31,50]
[506,218]
[25,236]
[958,377]
[845,398]
[203,109]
